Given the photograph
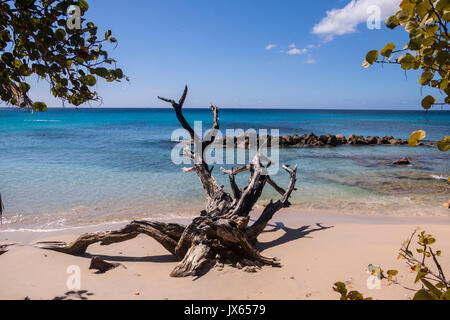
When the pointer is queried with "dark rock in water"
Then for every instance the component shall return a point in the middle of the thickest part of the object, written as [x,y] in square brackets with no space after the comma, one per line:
[318,143]
[101,265]
[356,140]
[323,139]
[332,140]
[311,139]
[352,139]
[402,162]
[398,141]
[286,140]
[296,139]
[373,140]
[387,139]
[341,139]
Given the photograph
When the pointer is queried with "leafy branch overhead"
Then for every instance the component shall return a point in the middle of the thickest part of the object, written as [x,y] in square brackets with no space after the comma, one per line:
[428,49]
[426,21]
[36,42]
[419,135]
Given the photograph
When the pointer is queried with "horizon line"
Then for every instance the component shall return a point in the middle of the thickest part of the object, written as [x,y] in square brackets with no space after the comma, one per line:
[233,108]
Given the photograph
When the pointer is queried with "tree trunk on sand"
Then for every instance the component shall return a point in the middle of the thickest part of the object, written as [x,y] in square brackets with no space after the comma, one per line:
[221,234]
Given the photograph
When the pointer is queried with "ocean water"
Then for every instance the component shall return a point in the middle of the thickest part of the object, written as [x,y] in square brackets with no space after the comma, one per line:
[67,167]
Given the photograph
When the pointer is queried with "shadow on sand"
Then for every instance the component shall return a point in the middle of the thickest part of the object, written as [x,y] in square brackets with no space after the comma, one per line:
[75,295]
[166,258]
[289,235]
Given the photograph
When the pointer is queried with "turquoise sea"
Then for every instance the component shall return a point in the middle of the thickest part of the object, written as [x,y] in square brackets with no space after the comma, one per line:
[68,167]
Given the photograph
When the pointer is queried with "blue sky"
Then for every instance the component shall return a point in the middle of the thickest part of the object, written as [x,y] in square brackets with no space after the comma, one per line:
[220,49]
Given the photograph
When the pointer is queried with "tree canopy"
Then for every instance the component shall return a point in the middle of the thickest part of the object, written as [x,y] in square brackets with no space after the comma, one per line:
[426,21]
[37,39]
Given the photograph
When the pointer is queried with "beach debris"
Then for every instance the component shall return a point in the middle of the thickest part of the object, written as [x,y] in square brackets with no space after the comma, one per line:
[101,265]
[402,162]
[2,207]
[4,248]
[250,269]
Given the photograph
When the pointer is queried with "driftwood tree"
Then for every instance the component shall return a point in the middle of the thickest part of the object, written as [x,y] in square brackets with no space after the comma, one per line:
[221,233]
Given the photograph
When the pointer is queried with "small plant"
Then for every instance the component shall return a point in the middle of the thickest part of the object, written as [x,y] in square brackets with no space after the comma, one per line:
[341,288]
[418,136]
[434,282]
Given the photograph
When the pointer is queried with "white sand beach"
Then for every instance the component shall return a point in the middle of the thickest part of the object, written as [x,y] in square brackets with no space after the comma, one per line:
[315,252]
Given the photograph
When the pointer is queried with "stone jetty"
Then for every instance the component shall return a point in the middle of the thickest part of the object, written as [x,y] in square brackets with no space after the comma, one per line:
[312,140]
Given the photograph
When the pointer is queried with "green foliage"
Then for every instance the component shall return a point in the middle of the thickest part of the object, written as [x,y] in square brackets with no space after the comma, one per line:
[387,50]
[444,144]
[391,274]
[372,56]
[428,101]
[375,270]
[341,288]
[416,136]
[35,41]
[426,21]
[434,282]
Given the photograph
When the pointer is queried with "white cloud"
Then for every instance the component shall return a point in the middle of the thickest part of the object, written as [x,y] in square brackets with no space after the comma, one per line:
[296,51]
[345,20]
[311,60]
[271,46]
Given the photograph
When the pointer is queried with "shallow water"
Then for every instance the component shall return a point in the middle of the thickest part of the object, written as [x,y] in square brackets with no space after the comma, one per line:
[70,167]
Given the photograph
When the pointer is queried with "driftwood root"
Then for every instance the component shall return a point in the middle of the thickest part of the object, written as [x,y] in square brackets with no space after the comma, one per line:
[221,234]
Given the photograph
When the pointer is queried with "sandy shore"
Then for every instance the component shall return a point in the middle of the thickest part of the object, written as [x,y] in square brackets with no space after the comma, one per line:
[315,251]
